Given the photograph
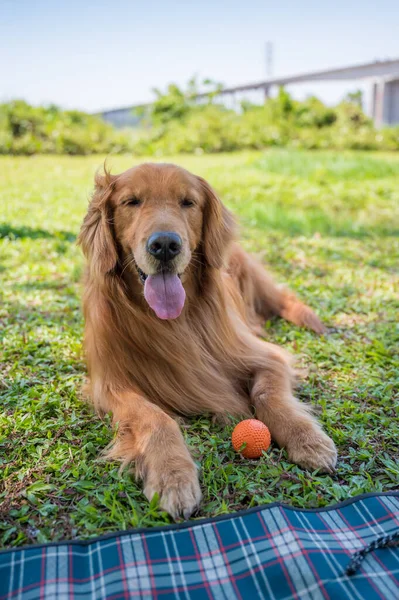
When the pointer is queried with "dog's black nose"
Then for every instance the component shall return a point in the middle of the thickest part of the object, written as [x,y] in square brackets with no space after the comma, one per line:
[164,245]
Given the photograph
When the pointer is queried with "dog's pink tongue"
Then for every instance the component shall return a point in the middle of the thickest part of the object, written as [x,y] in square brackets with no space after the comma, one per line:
[165,294]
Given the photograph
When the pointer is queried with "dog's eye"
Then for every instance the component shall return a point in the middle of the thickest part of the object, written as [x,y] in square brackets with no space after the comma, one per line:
[186,202]
[133,201]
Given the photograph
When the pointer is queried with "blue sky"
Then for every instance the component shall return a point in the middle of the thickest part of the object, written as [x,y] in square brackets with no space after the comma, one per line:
[94,55]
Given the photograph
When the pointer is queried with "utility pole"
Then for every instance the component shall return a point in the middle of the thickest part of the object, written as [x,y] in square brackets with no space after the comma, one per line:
[269,59]
[269,65]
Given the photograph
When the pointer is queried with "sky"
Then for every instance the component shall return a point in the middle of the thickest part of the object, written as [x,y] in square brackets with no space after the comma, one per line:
[106,54]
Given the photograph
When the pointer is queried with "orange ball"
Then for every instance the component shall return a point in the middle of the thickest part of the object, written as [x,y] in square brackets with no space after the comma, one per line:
[254,434]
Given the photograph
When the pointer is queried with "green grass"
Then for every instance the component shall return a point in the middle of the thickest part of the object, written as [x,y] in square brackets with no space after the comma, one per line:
[328,225]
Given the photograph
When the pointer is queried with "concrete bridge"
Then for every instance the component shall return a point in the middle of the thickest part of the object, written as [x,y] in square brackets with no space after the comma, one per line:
[382,75]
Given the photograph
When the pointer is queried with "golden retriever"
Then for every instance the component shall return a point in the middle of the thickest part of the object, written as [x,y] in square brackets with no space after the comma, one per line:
[173,307]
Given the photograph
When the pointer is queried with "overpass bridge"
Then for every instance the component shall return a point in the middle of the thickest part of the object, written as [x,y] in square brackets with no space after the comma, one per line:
[383,76]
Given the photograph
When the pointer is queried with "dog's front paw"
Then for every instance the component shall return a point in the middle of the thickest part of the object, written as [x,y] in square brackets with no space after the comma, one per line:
[312,449]
[178,489]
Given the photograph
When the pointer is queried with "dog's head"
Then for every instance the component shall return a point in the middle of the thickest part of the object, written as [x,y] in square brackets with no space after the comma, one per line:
[157,219]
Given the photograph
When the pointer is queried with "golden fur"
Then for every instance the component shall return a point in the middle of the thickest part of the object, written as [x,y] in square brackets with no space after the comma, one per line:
[209,360]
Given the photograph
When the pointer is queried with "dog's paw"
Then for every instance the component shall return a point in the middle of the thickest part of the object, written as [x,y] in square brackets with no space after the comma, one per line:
[181,498]
[179,491]
[302,315]
[312,449]
[310,320]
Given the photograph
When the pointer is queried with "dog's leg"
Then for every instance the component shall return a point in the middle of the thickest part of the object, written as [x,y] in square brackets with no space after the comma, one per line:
[290,422]
[262,297]
[153,440]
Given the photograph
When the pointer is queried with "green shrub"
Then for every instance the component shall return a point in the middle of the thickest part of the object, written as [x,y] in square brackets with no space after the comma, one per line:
[25,129]
[177,123]
[181,124]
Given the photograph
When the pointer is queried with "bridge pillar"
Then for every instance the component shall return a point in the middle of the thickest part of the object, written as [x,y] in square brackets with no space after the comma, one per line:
[385,102]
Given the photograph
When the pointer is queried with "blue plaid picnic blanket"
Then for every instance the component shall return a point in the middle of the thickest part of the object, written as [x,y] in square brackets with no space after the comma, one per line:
[273,551]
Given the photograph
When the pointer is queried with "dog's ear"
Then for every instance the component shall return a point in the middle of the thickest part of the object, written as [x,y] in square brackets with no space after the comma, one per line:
[218,229]
[96,234]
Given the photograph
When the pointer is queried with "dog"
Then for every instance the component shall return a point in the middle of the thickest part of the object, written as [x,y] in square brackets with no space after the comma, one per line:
[173,309]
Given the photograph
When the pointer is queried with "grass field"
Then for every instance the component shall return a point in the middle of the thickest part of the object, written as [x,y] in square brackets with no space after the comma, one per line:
[326,223]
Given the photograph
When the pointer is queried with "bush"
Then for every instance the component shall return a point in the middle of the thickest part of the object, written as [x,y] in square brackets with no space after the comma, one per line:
[180,124]
[25,129]
[177,123]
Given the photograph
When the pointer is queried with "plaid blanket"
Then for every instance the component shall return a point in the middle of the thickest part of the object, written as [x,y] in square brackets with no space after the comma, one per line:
[272,552]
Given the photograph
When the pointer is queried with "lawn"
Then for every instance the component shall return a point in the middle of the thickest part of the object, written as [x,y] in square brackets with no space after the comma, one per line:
[326,223]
